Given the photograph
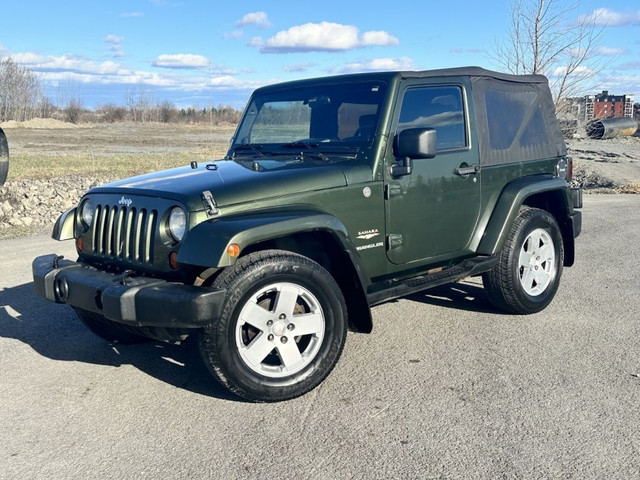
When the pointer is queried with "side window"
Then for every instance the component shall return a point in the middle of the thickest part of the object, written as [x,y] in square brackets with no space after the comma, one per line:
[514,115]
[440,108]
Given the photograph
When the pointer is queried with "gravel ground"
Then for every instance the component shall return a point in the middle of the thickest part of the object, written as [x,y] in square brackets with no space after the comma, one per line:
[36,204]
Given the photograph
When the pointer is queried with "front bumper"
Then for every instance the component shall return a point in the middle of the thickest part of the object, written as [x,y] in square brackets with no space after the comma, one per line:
[135,301]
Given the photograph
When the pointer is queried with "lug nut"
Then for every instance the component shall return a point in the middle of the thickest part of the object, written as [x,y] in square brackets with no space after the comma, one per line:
[284,340]
[282,316]
[291,326]
[270,337]
[269,323]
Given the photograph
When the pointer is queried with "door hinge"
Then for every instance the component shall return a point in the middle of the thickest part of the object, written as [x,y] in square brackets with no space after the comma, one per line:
[394,240]
[391,191]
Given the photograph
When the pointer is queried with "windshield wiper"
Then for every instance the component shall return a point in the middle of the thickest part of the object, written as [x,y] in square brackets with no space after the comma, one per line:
[311,150]
[257,149]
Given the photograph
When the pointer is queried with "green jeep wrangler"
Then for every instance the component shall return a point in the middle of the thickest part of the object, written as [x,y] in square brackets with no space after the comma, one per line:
[336,194]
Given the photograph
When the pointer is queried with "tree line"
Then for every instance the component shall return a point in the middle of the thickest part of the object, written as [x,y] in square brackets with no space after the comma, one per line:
[22,98]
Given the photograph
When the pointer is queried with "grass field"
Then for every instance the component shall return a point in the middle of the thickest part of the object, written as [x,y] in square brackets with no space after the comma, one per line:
[113,150]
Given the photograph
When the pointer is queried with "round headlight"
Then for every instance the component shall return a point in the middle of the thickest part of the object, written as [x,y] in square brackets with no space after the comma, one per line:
[86,213]
[177,223]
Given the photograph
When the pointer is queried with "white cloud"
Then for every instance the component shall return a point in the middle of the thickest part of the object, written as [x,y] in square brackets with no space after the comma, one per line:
[608,51]
[258,19]
[68,63]
[606,17]
[114,39]
[377,64]
[234,34]
[115,46]
[323,37]
[578,72]
[256,42]
[379,38]
[181,61]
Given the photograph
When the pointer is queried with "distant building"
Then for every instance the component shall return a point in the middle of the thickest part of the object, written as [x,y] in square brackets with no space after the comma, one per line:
[602,105]
[608,106]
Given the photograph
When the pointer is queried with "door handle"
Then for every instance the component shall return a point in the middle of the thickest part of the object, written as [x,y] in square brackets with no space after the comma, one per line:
[464,171]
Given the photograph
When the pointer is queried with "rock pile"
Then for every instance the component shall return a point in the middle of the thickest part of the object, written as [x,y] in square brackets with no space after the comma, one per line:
[35,203]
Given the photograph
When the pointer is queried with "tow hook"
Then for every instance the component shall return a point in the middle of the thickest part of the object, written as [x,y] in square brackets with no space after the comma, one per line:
[56,260]
[125,275]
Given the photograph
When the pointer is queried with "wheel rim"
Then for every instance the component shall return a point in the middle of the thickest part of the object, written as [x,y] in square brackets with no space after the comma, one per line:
[537,262]
[280,330]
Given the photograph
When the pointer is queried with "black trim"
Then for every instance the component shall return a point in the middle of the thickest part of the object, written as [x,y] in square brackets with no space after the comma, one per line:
[136,301]
[468,268]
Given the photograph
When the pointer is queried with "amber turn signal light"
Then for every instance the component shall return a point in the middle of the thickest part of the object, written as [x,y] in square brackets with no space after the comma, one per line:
[173,260]
[233,250]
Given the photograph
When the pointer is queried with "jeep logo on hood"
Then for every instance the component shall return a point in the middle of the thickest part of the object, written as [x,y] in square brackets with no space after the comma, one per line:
[125,201]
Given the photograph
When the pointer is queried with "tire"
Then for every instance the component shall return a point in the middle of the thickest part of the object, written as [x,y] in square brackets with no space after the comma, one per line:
[282,329]
[529,266]
[4,158]
[108,330]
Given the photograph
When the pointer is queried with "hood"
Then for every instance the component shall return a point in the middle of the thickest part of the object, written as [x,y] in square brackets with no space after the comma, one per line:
[229,182]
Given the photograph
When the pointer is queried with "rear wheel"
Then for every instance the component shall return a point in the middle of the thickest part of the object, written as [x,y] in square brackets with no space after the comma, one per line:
[108,330]
[282,328]
[530,264]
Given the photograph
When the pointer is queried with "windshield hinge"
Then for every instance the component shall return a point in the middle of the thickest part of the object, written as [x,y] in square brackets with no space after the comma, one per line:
[392,190]
[209,203]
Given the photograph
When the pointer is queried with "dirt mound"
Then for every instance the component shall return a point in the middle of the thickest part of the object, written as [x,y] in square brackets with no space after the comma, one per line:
[38,123]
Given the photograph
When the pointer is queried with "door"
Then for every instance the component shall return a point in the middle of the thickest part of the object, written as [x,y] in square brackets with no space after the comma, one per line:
[432,212]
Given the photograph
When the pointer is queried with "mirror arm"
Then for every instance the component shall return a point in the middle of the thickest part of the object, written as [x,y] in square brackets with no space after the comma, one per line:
[401,167]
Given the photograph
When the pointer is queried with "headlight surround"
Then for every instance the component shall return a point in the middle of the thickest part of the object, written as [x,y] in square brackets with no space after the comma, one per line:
[177,223]
[86,213]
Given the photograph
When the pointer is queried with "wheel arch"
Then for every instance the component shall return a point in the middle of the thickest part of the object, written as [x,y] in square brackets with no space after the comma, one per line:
[324,248]
[546,193]
[316,235]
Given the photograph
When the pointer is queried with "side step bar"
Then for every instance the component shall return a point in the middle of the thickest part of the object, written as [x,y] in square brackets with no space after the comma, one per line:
[468,268]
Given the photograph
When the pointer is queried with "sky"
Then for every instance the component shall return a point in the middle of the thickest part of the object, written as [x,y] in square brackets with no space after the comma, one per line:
[212,53]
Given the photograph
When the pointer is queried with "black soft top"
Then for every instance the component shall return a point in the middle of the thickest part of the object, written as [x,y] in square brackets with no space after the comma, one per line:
[475,72]
[514,114]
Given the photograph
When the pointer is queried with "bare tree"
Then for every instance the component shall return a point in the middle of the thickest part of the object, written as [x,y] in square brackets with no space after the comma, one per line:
[20,92]
[166,111]
[140,104]
[70,100]
[550,37]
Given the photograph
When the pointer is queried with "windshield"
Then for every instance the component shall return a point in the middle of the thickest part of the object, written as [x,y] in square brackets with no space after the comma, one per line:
[330,118]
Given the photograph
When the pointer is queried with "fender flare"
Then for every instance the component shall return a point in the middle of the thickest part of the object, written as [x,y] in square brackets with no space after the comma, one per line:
[206,246]
[508,205]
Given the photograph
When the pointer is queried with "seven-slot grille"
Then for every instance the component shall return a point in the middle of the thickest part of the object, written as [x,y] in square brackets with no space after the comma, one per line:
[124,233]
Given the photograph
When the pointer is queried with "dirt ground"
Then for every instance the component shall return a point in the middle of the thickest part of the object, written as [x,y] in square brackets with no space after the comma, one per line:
[612,163]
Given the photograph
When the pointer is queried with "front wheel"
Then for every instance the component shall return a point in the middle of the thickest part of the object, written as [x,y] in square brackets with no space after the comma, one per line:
[282,329]
[529,266]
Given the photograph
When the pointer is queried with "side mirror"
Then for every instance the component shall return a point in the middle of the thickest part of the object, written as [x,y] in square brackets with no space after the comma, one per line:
[4,158]
[412,143]
[416,143]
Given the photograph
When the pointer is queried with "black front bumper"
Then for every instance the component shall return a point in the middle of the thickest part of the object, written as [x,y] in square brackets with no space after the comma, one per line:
[136,301]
